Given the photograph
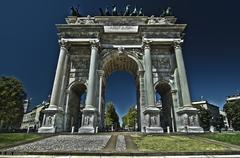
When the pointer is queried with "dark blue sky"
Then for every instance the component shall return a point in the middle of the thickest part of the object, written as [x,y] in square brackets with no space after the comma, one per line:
[29,48]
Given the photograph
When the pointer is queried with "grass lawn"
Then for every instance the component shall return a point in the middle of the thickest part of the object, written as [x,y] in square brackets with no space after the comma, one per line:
[232,138]
[7,139]
[167,143]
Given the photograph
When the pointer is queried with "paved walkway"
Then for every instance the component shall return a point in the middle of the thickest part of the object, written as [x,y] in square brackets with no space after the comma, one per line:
[64,144]
[112,144]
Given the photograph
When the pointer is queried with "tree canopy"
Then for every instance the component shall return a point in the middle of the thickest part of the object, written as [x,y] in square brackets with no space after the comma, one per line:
[130,119]
[12,96]
[204,116]
[111,117]
[232,110]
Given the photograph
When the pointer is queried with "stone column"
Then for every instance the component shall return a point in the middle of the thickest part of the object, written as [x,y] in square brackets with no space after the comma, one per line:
[101,73]
[151,112]
[64,82]
[141,99]
[89,115]
[66,110]
[54,113]
[187,114]
[56,91]
[92,75]
[148,75]
[186,99]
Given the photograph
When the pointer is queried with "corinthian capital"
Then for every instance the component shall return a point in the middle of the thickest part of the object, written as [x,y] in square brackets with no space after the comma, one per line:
[177,43]
[100,73]
[64,44]
[146,44]
[94,44]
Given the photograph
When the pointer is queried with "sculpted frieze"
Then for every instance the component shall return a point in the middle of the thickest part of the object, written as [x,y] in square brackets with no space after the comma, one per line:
[80,63]
[161,63]
[160,51]
[82,75]
[159,21]
[78,34]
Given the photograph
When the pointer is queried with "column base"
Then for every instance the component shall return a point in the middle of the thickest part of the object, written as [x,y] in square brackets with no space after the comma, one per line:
[53,120]
[150,130]
[89,120]
[188,120]
[47,130]
[87,130]
[190,129]
[152,119]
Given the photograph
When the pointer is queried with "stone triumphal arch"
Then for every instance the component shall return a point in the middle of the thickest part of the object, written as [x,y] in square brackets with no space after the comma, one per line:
[149,48]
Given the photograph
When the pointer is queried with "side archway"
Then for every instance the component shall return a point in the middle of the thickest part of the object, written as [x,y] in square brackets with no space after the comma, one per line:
[164,101]
[76,102]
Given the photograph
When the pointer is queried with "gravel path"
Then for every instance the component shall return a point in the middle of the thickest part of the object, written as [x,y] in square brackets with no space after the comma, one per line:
[65,143]
[121,144]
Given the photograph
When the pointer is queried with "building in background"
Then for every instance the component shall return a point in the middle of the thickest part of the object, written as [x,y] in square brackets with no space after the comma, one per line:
[26,104]
[33,119]
[214,110]
[233,98]
[225,119]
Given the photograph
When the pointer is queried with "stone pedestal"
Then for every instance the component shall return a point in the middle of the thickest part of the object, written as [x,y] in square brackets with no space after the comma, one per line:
[52,121]
[152,116]
[189,120]
[89,121]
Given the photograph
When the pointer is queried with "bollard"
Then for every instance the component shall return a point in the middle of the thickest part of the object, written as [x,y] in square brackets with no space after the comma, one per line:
[72,130]
[97,129]
[168,129]
[28,129]
[212,129]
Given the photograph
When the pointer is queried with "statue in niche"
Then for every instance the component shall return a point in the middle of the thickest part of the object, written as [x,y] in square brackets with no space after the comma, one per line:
[185,119]
[49,121]
[153,121]
[87,120]
[192,120]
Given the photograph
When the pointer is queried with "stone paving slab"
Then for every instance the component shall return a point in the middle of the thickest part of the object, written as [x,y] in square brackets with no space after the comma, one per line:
[64,143]
[121,144]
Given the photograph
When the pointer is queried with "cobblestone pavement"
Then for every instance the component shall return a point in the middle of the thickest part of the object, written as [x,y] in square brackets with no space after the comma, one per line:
[65,143]
[121,144]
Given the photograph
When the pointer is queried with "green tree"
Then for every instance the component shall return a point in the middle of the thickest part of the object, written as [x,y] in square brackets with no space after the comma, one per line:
[130,118]
[204,116]
[12,97]
[111,117]
[233,113]
[219,124]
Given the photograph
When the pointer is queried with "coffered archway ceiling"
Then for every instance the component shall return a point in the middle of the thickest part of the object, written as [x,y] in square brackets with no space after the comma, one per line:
[120,63]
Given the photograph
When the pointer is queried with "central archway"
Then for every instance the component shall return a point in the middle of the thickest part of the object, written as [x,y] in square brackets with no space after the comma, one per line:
[122,63]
